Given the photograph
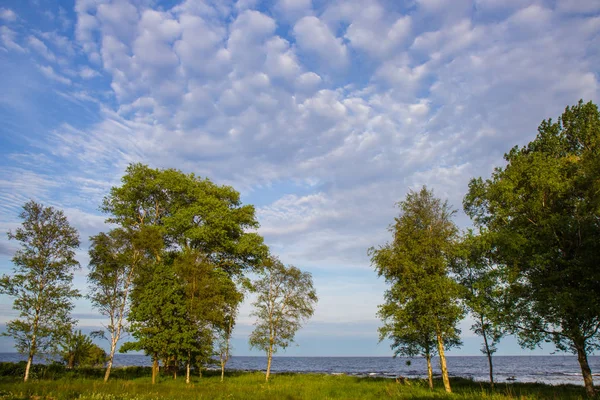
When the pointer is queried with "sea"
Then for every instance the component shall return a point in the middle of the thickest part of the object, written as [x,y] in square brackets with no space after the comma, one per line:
[554,369]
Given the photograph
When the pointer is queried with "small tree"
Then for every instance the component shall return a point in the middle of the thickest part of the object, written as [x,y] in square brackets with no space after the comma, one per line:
[41,283]
[416,264]
[286,299]
[80,351]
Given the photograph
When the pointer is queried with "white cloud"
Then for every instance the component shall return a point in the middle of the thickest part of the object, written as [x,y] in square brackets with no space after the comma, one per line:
[8,37]
[38,46]
[49,73]
[313,36]
[87,73]
[8,15]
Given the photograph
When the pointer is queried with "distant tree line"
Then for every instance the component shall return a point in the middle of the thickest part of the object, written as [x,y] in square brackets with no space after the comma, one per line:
[171,272]
[529,267]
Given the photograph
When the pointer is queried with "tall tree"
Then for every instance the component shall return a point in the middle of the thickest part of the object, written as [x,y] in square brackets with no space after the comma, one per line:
[42,280]
[416,265]
[543,208]
[481,281]
[115,258]
[285,300]
[202,227]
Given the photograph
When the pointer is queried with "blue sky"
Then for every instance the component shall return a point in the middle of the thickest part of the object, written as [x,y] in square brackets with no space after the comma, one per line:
[323,114]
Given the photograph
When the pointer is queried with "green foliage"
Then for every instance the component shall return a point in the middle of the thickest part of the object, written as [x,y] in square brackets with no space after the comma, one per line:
[542,211]
[78,350]
[190,212]
[41,280]
[422,300]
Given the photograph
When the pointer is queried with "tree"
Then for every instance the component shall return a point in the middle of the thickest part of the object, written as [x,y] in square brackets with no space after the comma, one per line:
[423,299]
[79,350]
[481,281]
[114,260]
[543,209]
[160,321]
[411,329]
[285,300]
[41,282]
[199,229]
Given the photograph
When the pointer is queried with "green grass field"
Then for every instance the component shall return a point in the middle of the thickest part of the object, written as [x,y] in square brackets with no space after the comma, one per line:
[134,383]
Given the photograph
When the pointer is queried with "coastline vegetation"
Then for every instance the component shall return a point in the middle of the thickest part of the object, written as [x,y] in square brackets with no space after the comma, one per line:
[135,383]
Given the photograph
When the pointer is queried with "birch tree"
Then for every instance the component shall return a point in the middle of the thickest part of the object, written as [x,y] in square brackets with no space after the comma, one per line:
[286,299]
[41,282]
[416,265]
[114,259]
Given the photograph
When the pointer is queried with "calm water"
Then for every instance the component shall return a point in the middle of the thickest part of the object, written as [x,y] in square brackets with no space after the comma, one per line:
[554,370]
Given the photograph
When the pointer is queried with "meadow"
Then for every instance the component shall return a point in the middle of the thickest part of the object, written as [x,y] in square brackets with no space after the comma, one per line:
[133,383]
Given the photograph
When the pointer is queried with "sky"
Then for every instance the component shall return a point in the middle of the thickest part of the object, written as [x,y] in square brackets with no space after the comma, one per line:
[322,114]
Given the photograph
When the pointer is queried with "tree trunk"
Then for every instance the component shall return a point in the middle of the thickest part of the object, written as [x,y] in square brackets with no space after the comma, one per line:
[585,367]
[269,358]
[429,371]
[222,370]
[445,379]
[154,370]
[488,353]
[29,361]
[110,363]
[187,372]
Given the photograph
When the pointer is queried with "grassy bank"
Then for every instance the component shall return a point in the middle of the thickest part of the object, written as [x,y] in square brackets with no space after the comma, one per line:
[134,383]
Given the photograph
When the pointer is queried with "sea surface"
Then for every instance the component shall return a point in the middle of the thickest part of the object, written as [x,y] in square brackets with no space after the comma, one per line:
[556,369]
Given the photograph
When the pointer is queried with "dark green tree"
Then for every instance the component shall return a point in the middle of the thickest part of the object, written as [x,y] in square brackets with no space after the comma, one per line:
[206,236]
[42,280]
[423,299]
[78,350]
[285,300]
[482,291]
[543,209]
[159,320]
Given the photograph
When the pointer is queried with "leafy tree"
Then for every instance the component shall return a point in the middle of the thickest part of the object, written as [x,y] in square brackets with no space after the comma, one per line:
[41,282]
[204,234]
[159,320]
[411,330]
[423,299]
[543,209]
[285,299]
[114,259]
[79,350]
[481,281]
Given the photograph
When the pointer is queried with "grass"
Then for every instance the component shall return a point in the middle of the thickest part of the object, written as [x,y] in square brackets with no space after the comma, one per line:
[134,384]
